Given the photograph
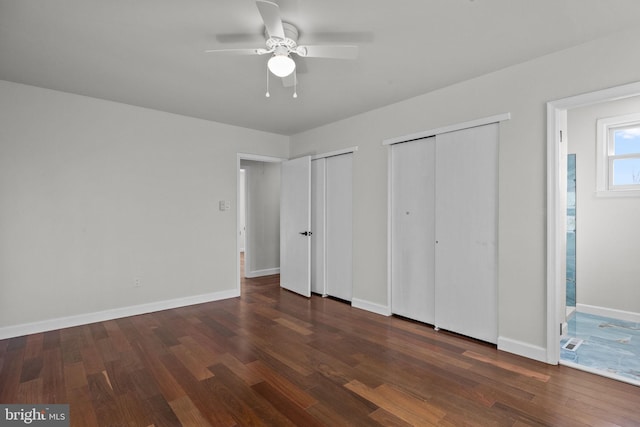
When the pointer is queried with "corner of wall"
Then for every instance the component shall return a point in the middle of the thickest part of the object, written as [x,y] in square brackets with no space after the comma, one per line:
[373,307]
[523,349]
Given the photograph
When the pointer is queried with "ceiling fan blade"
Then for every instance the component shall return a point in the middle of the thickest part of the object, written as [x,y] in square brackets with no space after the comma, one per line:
[240,38]
[238,51]
[341,37]
[290,80]
[270,13]
[337,52]
[302,66]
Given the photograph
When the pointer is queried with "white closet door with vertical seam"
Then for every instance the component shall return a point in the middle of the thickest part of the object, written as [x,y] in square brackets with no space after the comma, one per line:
[466,232]
[339,253]
[318,205]
[412,229]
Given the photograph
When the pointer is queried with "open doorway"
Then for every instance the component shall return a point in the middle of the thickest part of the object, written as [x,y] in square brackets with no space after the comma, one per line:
[594,337]
[258,216]
[261,196]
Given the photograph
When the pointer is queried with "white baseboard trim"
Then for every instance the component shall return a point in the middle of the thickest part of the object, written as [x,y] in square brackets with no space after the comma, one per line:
[522,349]
[371,306]
[629,316]
[116,313]
[260,273]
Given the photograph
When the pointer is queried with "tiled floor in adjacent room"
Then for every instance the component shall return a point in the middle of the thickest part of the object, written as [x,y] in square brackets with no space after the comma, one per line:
[608,345]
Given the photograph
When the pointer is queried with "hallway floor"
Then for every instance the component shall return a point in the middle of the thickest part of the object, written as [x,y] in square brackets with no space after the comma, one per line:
[607,345]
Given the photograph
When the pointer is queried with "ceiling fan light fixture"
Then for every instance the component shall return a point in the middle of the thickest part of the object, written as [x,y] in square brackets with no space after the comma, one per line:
[281,65]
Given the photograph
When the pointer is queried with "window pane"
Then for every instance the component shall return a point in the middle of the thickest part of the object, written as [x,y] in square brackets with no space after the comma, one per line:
[627,141]
[626,172]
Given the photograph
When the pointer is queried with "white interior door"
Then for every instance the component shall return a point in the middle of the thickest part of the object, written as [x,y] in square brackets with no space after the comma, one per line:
[295,226]
[339,196]
[412,229]
[318,205]
[466,233]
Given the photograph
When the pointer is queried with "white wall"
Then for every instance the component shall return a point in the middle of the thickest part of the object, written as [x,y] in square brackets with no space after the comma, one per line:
[263,217]
[608,232]
[95,194]
[523,91]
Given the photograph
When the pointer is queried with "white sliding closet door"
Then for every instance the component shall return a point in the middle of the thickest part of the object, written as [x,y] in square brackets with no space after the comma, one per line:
[339,195]
[318,206]
[412,229]
[466,206]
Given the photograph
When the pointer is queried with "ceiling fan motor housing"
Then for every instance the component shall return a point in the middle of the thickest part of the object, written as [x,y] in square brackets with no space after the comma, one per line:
[290,41]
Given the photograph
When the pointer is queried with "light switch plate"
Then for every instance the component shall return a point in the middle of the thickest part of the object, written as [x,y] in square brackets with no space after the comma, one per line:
[224,205]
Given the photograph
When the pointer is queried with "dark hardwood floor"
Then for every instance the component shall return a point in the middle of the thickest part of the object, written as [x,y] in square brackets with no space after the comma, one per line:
[274,358]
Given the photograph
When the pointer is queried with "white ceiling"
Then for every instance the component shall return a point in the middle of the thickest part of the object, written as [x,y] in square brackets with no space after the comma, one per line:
[150,53]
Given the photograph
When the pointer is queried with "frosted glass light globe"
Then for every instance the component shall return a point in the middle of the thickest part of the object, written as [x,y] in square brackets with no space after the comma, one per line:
[281,65]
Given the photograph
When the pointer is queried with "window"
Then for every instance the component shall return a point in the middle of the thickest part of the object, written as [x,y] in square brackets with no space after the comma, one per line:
[618,168]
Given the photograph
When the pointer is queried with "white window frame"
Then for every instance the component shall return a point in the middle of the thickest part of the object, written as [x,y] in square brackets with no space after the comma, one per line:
[605,157]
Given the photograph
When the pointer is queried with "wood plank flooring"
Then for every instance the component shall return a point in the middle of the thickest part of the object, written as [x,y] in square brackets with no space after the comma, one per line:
[274,358]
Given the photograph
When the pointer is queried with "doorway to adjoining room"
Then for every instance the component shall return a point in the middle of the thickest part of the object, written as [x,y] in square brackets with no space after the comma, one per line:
[597,143]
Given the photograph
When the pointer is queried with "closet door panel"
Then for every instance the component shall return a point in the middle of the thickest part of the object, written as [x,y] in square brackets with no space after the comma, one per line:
[339,226]
[318,200]
[466,232]
[412,229]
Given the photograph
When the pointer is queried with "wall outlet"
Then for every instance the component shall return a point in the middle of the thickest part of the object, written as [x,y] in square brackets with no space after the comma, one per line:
[137,283]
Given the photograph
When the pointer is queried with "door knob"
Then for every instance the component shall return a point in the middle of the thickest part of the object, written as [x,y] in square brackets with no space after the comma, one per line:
[306,233]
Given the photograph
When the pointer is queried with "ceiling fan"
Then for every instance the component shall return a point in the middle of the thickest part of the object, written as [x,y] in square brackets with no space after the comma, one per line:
[282,42]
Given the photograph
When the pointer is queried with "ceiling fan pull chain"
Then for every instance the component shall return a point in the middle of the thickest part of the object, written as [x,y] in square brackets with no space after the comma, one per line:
[295,84]
[267,94]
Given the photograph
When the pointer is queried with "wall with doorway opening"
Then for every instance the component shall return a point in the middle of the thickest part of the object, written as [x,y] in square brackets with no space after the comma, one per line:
[109,210]
[522,90]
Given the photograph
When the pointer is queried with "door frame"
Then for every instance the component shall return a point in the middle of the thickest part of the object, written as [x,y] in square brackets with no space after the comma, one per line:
[242,198]
[239,157]
[556,116]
